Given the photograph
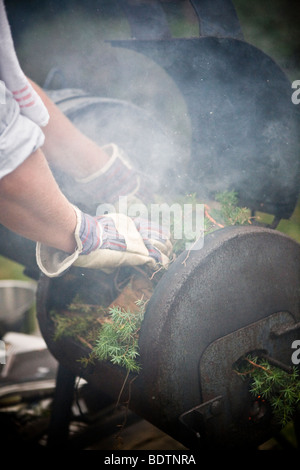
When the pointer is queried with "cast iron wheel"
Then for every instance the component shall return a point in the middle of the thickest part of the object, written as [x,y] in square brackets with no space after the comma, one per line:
[244,279]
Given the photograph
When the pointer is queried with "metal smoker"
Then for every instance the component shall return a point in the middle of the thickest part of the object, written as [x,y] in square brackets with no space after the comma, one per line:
[239,294]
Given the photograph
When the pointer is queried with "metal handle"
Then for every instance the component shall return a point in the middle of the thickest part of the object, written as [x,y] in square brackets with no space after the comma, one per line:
[148,20]
[217,18]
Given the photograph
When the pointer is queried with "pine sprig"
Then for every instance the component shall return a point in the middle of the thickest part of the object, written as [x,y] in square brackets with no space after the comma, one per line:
[71,325]
[280,388]
[118,338]
[111,334]
[230,213]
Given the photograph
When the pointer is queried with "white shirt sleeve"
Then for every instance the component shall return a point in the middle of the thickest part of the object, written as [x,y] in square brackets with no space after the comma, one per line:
[19,135]
[15,80]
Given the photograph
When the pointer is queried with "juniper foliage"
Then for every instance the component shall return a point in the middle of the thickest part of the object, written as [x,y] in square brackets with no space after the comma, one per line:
[118,338]
[278,387]
[230,213]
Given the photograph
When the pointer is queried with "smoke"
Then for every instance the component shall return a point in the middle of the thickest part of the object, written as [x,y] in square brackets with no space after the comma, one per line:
[137,104]
[193,116]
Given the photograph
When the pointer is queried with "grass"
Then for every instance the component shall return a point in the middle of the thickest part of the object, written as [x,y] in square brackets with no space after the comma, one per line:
[11,270]
[290,227]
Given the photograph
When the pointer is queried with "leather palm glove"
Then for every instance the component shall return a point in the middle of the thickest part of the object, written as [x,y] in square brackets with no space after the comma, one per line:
[107,242]
[115,179]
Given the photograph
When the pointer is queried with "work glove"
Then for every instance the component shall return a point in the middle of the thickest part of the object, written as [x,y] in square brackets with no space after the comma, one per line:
[116,179]
[108,242]
[14,78]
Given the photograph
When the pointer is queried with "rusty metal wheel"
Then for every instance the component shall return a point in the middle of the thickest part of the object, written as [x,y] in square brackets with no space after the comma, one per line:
[235,295]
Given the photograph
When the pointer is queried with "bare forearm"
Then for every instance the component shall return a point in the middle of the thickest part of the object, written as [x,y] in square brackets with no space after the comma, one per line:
[65,146]
[32,205]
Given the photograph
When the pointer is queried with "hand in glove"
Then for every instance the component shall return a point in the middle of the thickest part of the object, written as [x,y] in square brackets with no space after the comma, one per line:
[156,239]
[115,179]
[106,243]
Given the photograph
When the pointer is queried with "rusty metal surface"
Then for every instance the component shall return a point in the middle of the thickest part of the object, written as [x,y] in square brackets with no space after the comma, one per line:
[241,276]
[237,419]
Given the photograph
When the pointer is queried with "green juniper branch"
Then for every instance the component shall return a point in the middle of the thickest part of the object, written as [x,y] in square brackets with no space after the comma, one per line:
[118,338]
[278,387]
[228,214]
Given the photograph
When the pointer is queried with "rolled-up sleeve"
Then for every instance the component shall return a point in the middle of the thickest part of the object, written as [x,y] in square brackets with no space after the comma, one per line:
[19,136]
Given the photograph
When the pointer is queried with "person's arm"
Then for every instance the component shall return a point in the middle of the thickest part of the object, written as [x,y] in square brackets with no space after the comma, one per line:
[31,202]
[66,147]
[99,174]
[32,205]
